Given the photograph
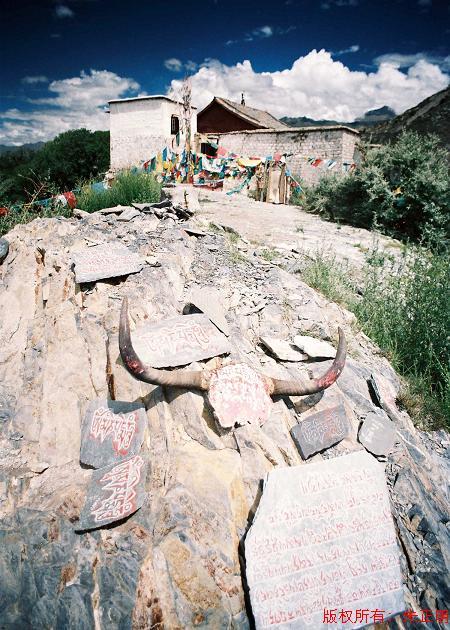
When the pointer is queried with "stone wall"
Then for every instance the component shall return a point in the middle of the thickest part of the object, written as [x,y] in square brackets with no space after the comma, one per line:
[140,128]
[336,143]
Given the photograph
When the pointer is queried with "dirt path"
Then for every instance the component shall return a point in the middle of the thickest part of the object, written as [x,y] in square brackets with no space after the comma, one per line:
[288,227]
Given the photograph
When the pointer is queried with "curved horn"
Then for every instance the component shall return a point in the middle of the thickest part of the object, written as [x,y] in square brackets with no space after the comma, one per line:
[166,378]
[301,388]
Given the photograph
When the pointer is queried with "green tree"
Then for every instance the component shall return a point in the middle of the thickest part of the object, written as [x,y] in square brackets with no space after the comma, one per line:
[402,188]
[71,157]
[12,163]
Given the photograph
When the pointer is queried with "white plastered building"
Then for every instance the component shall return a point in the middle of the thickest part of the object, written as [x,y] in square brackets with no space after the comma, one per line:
[141,127]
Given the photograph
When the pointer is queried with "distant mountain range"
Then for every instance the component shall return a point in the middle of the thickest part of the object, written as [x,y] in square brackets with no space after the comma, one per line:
[370,118]
[379,126]
[430,116]
[32,146]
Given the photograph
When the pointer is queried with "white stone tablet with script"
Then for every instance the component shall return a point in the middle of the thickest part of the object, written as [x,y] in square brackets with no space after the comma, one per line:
[322,550]
[179,341]
[105,261]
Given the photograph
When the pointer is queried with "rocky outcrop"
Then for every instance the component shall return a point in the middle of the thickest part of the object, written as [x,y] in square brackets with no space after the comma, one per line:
[178,561]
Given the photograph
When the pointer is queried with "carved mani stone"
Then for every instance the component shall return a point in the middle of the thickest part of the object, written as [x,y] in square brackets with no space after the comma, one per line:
[111,431]
[377,434]
[114,493]
[321,430]
[105,261]
[238,396]
[323,540]
[179,341]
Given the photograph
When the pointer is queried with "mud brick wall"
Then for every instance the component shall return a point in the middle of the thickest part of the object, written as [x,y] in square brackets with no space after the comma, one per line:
[335,143]
[141,128]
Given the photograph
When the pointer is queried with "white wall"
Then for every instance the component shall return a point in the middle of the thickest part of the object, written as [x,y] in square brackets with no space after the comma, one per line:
[141,128]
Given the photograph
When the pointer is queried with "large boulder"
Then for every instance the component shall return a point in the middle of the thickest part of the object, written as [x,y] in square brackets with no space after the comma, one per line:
[178,561]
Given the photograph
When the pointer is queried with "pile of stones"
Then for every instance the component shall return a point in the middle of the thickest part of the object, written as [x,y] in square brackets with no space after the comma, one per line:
[124,504]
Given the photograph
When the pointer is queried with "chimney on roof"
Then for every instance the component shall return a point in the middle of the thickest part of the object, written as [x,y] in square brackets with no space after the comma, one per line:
[242,99]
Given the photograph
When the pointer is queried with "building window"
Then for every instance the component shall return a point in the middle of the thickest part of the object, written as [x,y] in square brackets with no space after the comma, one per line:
[174,125]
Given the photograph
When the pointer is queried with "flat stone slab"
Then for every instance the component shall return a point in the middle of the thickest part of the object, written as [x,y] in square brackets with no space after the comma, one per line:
[114,493]
[384,391]
[323,541]
[238,396]
[195,231]
[321,430]
[128,214]
[314,348]
[111,431]
[179,341]
[207,300]
[108,260]
[282,349]
[377,434]
[166,203]
[114,210]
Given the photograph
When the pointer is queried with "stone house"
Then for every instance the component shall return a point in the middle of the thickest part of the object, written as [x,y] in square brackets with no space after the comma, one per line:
[253,132]
[142,126]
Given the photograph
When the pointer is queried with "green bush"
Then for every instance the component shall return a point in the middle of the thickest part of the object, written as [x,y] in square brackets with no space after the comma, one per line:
[71,157]
[406,311]
[402,188]
[408,314]
[128,188]
[330,277]
[60,164]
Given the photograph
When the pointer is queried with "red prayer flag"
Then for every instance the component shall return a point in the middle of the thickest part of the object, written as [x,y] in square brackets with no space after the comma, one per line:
[71,199]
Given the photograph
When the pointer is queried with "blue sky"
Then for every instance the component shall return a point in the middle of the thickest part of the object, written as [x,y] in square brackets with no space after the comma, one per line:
[61,61]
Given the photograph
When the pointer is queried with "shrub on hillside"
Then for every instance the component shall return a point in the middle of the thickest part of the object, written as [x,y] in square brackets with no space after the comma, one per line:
[128,188]
[402,188]
[404,307]
[58,165]
[407,312]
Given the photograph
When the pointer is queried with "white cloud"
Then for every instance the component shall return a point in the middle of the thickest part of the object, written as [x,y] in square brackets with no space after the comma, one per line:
[399,60]
[62,11]
[351,49]
[190,66]
[317,86]
[72,103]
[262,32]
[173,64]
[40,78]
[176,65]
